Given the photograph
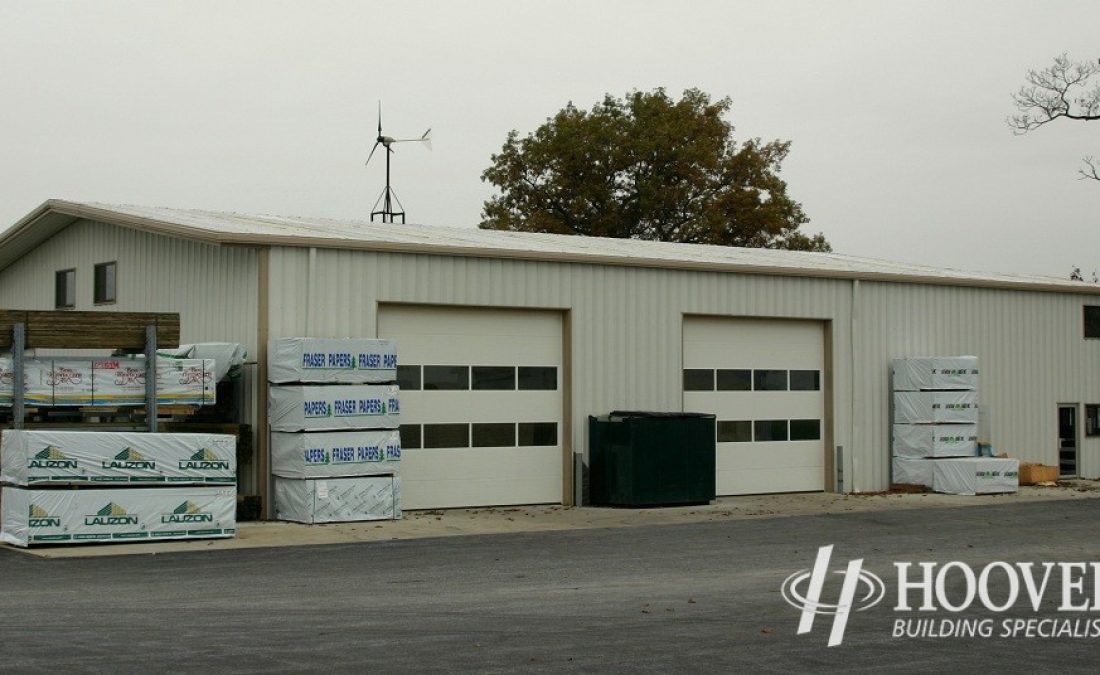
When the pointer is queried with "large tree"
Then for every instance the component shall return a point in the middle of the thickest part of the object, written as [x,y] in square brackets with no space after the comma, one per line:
[1065,90]
[647,167]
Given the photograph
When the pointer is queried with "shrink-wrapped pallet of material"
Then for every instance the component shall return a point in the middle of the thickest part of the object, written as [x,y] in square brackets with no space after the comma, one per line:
[333,407]
[976,475]
[935,407]
[331,454]
[338,500]
[935,372]
[46,457]
[331,361]
[935,440]
[33,516]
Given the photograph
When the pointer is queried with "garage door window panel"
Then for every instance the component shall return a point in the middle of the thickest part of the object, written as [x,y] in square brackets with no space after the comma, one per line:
[735,431]
[805,430]
[408,378]
[538,378]
[538,434]
[494,435]
[698,379]
[446,378]
[410,436]
[770,380]
[493,378]
[769,430]
[805,380]
[735,380]
[446,435]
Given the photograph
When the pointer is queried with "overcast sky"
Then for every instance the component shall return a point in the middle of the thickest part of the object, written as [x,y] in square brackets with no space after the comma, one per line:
[895,109]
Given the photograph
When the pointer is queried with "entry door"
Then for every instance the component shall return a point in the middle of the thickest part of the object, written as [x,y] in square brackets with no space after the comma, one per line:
[481,405]
[764,380]
[1067,441]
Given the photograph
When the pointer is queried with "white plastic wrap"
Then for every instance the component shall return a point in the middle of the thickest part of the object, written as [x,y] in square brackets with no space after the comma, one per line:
[110,381]
[976,475]
[330,454]
[80,457]
[94,516]
[936,372]
[913,471]
[226,355]
[338,500]
[935,440]
[334,361]
[71,380]
[36,391]
[333,407]
[936,407]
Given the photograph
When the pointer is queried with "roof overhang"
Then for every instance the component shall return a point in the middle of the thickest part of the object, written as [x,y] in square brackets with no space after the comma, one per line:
[55,215]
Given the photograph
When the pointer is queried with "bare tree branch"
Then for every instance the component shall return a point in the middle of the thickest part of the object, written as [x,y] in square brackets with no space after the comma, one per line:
[1091,170]
[1059,91]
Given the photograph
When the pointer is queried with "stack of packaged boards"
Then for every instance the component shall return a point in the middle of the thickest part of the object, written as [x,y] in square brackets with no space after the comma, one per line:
[935,429]
[128,487]
[113,381]
[334,417]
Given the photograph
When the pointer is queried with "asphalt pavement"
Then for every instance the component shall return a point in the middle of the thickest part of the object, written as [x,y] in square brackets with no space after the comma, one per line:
[692,597]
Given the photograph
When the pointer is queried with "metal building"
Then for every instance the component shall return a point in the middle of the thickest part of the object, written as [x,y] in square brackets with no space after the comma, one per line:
[508,341]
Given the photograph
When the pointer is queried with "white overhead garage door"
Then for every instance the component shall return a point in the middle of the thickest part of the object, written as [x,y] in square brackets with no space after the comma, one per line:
[764,380]
[481,405]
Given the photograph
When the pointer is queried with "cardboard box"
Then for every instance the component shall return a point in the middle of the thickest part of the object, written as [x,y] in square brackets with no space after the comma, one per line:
[96,516]
[1031,474]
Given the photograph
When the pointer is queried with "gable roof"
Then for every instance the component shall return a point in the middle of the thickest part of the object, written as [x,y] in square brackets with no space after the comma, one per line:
[250,230]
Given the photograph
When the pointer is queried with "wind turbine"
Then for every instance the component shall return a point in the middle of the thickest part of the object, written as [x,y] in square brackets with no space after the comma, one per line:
[388,196]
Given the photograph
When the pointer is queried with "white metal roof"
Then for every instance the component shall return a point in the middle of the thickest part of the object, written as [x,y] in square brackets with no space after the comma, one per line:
[252,230]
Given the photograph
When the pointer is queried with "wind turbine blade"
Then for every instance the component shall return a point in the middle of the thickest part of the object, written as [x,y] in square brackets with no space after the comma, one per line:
[376,144]
[380,117]
[427,138]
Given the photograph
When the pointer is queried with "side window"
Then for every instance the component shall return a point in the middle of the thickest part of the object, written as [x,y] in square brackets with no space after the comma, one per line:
[105,283]
[65,289]
[1092,321]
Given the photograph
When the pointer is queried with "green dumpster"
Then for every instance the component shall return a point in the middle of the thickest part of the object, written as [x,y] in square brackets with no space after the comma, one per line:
[651,458]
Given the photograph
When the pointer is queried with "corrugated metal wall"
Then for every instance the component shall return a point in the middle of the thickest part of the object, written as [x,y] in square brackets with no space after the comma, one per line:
[1032,356]
[626,322]
[626,335]
[214,289]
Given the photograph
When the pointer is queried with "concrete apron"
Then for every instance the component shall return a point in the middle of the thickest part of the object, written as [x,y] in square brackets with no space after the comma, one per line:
[500,520]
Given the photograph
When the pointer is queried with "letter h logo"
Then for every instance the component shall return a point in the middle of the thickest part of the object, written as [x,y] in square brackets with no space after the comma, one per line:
[807,596]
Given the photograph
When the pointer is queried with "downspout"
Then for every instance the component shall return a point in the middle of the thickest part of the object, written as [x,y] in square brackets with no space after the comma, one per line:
[311,282]
[853,483]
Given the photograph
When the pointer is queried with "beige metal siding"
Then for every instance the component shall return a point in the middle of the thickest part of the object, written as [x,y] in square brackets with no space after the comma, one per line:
[626,323]
[214,288]
[1031,351]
